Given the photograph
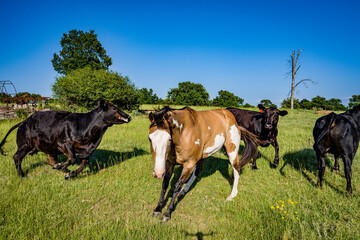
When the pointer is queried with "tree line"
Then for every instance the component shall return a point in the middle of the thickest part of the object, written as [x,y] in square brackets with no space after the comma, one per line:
[84,77]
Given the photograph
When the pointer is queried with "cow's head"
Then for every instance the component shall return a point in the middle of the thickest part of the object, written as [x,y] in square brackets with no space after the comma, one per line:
[111,114]
[355,113]
[160,140]
[271,116]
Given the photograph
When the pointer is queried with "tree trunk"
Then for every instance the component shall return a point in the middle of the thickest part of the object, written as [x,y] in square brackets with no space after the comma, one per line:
[294,70]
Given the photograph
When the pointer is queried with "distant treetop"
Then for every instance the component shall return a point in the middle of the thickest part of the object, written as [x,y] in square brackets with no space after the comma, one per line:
[80,49]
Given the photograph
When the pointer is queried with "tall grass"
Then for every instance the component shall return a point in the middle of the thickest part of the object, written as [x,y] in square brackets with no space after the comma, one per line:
[114,197]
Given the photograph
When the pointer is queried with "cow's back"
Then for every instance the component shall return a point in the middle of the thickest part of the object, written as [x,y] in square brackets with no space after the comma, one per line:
[41,130]
[246,119]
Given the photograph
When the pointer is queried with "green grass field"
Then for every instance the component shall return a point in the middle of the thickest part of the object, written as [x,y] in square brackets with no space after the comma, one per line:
[113,198]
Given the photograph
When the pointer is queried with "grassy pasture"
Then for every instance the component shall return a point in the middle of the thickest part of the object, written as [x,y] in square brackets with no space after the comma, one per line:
[114,196]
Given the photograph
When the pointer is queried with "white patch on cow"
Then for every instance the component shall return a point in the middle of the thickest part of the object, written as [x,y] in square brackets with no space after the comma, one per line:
[219,142]
[233,155]
[175,123]
[209,127]
[235,139]
[234,135]
[197,142]
[160,142]
[189,183]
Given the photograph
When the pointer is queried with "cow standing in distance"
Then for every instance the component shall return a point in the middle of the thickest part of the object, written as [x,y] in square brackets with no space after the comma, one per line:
[75,135]
[263,124]
[339,135]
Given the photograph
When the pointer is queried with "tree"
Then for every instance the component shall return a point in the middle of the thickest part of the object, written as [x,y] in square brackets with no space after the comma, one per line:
[319,102]
[335,104]
[80,49]
[227,99]
[267,103]
[286,103]
[190,94]
[354,100]
[306,104]
[147,96]
[84,87]
[294,69]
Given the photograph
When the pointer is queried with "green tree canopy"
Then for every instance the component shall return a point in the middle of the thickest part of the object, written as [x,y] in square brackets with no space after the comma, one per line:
[267,103]
[84,87]
[148,96]
[286,103]
[335,104]
[190,94]
[354,100]
[319,102]
[80,49]
[227,99]
[306,104]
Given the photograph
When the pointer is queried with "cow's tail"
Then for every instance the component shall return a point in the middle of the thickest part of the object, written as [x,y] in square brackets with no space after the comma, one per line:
[329,121]
[3,141]
[251,142]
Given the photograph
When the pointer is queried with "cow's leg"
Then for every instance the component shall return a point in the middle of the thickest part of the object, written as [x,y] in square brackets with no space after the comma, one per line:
[195,173]
[71,158]
[336,164]
[321,163]
[188,168]
[232,149]
[51,159]
[254,166]
[18,157]
[72,174]
[347,167]
[168,173]
[276,158]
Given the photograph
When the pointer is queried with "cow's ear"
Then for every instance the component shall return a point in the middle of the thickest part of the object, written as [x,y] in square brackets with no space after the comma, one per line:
[283,113]
[262,108]
[151,117]
[102,104]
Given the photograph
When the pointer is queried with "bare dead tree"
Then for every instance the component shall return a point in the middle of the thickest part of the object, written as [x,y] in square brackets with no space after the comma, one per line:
[294,57]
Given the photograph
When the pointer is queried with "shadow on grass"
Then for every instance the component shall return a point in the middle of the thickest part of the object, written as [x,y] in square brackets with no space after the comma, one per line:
[199,235]
[100,159]
[305,161]
[210,166]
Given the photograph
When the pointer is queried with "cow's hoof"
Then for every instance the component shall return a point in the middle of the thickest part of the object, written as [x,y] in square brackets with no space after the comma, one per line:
[58,166]
[275,165]
[165,218]
[254,168]
[156,214]
[70,175]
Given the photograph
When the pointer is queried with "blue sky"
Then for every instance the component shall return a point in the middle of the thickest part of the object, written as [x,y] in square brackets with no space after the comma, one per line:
[239,46]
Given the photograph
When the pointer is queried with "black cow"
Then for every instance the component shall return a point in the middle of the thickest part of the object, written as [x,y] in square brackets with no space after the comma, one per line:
[339,135]
[263,124]
[76,135]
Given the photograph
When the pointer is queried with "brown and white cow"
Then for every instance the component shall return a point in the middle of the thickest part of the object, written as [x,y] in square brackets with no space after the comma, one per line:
[186,137]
